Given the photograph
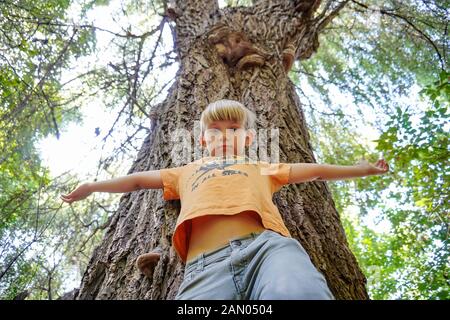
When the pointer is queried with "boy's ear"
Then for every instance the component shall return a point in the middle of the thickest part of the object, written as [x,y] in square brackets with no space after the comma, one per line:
[202,141]
[251,134]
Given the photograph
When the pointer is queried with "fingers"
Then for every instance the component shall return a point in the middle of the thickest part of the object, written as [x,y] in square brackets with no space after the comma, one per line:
[66,199]
[69,198]
[383,164]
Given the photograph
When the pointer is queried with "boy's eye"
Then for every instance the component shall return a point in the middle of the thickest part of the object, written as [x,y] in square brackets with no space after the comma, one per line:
[216,131]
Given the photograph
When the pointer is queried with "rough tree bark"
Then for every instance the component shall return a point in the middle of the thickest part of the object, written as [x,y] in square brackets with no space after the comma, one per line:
[239,53]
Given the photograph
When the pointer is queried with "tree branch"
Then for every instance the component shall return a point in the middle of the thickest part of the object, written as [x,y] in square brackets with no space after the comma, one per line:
[408,22]
[324,18]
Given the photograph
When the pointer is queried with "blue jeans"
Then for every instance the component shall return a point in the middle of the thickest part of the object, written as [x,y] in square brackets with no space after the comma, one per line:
[259,266]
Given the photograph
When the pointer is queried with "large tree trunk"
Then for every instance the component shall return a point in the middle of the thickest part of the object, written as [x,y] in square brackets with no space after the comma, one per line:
[242,54]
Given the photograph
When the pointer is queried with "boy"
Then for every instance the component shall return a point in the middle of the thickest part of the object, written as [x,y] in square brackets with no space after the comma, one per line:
[229,232]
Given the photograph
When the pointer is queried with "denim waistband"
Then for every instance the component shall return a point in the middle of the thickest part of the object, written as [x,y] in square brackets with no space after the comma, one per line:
[206,258]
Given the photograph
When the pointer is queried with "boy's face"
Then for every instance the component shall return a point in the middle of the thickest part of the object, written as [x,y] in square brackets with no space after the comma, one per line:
[226,138]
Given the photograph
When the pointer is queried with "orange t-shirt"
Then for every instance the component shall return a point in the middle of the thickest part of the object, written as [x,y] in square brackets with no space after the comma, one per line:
[213,185]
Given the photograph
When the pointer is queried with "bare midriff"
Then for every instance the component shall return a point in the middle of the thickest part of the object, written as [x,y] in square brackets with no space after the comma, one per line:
[210,232]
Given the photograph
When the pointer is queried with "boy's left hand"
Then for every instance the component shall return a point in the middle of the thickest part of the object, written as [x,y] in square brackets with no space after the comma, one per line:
[380,167]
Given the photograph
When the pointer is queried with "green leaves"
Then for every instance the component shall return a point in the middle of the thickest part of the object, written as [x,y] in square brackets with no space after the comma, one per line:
[439,92]
[36,44]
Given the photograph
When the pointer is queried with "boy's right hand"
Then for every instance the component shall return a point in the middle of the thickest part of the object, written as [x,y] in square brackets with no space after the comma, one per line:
[80,193]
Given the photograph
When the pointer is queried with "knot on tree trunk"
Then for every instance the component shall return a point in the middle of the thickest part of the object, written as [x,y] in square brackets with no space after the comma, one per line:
[235,49]
[288,57]
[147,262]
[307,7]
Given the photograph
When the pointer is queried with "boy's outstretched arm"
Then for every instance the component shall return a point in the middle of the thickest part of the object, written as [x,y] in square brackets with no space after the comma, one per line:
[303,172]
[132,182]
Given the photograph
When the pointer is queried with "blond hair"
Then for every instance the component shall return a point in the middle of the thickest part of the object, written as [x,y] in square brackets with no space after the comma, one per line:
[227,110]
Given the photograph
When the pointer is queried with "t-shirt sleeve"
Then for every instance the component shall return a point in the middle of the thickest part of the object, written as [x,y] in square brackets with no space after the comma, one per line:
[278,172]
[170,178]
